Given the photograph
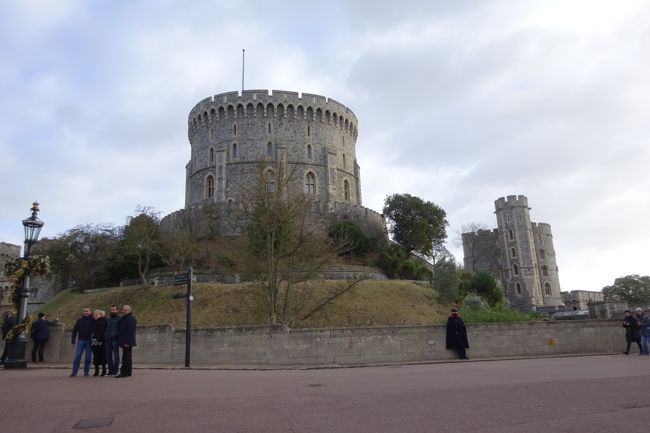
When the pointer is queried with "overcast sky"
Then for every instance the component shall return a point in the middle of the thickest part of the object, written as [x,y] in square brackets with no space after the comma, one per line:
[458,103]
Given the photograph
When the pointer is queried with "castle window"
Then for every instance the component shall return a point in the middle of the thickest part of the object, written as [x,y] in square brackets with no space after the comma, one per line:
[513,252]
[269,149]
[518,288]
[539,236]
[209,186]
[346,190]
[270,181]
[547,288]
[308,130]
[309,152]
[344,164]
[268,128]
[234,151]
[211,134]
[542,254]
[211,155]
[234,129]
[515,269]
[310,183]
[545,271]
[508,218]
[511,234]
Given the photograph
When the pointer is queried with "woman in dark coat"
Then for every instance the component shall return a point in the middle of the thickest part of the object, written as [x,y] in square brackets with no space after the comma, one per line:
[97,343]
[457,334]
[632,332]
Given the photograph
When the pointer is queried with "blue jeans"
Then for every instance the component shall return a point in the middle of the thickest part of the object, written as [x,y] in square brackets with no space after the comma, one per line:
[644,343]
[83,346]
[112,355]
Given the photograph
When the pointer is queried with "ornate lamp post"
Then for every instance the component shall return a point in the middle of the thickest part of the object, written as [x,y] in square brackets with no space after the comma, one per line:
[16,348]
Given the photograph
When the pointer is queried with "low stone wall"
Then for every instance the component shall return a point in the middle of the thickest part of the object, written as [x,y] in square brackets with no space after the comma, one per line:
[280,346]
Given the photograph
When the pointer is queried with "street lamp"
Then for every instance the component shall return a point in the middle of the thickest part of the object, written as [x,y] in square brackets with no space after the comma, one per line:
[16,348]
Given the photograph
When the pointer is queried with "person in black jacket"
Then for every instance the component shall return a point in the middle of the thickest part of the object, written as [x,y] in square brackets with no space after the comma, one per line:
[110,339]
[457,334]
[126,340]
[97,341]
[40,334]
[82,328]
[632,332]
[8,323]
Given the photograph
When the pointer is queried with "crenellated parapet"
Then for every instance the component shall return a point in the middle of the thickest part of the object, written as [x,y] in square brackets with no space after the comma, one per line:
[511,201]
[274,104]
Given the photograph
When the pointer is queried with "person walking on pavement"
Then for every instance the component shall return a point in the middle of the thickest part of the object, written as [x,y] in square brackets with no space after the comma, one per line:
[7,325]
[110,339]
[40,334]
[97,341]
[126,340]
[632,332]
[644,320]
[82,328]
[457,334]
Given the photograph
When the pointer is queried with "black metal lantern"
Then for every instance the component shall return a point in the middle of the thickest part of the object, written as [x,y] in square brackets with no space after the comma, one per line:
[33,227]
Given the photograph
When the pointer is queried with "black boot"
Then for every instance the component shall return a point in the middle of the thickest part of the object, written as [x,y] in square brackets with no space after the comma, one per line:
[103,370]
[96,371]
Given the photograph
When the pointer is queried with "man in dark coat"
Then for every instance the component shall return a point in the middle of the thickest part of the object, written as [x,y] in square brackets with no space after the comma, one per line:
[83,328]
[457,334]
[126,340]
[112,349]
[40,334]
[7,325]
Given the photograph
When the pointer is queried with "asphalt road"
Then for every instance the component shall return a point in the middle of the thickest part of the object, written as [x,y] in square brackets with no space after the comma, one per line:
[575,394]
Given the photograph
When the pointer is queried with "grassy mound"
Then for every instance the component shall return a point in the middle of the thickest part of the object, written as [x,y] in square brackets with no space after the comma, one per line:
[369,303]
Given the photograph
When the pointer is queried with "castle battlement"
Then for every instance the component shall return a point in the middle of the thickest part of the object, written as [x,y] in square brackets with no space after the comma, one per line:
[511,201]
[541,228]
[273,104]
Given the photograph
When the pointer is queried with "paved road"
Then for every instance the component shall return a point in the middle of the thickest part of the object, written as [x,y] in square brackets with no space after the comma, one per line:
[578,394]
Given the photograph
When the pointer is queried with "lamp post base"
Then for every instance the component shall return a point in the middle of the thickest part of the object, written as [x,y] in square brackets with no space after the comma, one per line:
[16,350]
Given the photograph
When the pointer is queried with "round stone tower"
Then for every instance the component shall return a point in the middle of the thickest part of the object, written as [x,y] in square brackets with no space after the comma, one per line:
[232,136]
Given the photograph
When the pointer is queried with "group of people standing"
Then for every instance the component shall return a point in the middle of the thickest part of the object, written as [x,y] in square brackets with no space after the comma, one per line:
[103,337]
[637,330]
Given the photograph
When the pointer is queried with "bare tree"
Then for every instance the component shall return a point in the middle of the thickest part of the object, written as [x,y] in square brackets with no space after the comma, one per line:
[480,247]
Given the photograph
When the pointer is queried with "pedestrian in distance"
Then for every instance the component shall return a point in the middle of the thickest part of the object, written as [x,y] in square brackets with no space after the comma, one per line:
[632,332]
[644,321]
[7,325]
[126,340]
[457,334]
[110,340]
[82,329]
[40,333]
[97,341]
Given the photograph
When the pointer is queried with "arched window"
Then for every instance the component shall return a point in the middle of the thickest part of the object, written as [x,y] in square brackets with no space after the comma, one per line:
[542,254]
[269,179]
[518,287]
[547,288]
[209,186]
[269,149]
[513,252]
[234,151]
[309,152]
[211,155]
[310,183]
[545,271]
[515,269]
[346,190]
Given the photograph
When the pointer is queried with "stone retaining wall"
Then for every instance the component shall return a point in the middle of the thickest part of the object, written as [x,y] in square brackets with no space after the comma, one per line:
[280,346]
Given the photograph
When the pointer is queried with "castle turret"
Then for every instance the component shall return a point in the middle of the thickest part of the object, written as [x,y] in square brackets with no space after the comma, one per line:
[548,271]
[520,275]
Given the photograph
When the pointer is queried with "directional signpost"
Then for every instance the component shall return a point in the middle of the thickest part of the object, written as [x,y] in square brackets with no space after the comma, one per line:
[179,280]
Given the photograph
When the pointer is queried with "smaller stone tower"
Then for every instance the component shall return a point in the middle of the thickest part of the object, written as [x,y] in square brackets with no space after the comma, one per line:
[519,253]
